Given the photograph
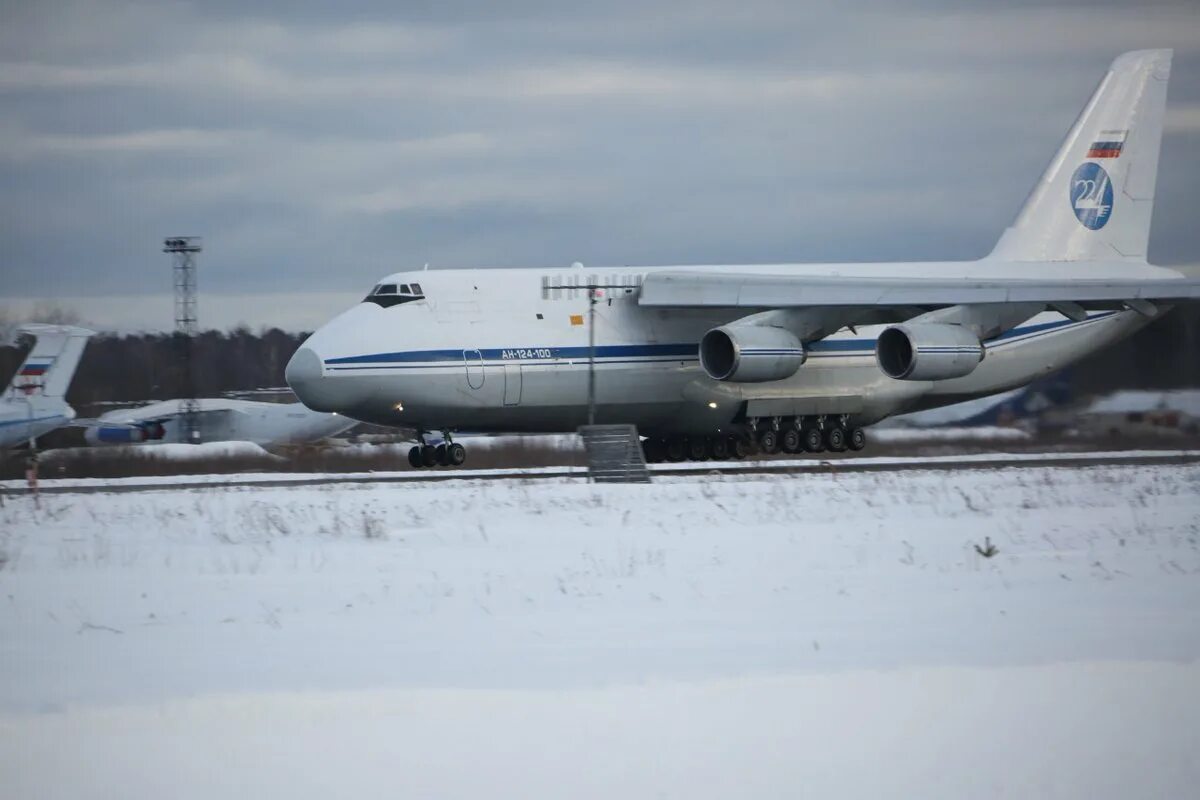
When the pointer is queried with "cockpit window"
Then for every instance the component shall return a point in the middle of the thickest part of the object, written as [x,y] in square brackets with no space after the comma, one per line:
[387,295]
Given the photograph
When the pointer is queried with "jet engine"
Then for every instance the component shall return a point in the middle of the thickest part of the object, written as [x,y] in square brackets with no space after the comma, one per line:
[116,434]
[750,353]
[927,352]
[125,433]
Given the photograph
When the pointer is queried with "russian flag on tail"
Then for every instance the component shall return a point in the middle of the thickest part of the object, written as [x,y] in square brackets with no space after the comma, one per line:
[34,370]
[1109,145]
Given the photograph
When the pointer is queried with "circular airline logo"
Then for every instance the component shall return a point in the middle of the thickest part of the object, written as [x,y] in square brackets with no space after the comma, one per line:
[1091,195]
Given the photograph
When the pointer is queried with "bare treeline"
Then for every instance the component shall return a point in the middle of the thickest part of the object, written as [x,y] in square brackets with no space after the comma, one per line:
[148,366]
[1163,355]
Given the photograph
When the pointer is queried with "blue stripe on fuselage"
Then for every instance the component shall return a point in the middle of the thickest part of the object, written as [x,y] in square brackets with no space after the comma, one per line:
[31,421]
[498,353]
[635,353]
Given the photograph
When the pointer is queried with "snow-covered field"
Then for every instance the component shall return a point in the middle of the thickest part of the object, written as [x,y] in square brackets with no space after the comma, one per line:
[752,636]
[978,433]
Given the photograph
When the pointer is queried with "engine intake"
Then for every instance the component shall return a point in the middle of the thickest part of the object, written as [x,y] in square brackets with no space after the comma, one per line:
[927,352]
[750,353]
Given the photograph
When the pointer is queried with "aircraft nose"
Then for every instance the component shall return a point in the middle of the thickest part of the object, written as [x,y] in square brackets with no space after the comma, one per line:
[304,366]
[306,375]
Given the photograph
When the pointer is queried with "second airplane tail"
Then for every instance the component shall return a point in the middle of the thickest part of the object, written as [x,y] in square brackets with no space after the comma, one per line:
[1095,199]
[50,365]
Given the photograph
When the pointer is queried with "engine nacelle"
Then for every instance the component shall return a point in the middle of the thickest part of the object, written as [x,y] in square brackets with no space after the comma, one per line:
[115,434]
[125,433]
[750,353]
[927,352]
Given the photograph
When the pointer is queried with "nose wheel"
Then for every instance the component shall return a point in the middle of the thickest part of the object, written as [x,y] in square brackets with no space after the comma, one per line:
[449,454]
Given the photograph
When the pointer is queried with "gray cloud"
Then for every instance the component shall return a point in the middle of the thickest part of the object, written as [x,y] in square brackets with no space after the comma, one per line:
[316,146]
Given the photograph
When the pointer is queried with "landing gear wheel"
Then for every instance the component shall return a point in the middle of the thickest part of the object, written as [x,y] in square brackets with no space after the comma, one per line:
[456,454]
[414,457]
[835,439]
[428,455]
[743,448]
[676,448]
[792,441]
[720,447]
[768,442]
[858,439]
[813,441]
[697,448]
[655,450]
[442,456]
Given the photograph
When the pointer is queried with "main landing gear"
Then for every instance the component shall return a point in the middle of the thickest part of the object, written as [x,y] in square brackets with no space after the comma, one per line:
[695,448]
[813,434]
[767,436]
[448,454]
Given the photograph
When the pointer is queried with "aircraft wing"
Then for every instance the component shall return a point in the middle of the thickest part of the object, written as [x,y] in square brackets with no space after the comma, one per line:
[85,422]
[749,290]
[128,422]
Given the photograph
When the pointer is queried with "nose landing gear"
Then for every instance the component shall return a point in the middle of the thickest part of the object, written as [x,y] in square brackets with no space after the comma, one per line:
[448,454]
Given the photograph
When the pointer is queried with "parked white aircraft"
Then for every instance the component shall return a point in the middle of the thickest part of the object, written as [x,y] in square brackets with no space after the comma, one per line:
[219,420]
[713,359]
[34,402]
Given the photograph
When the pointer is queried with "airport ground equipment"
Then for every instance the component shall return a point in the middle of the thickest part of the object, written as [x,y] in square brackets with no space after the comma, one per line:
[614,454]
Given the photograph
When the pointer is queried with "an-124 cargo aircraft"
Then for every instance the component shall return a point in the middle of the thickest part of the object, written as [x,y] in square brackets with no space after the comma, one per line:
[35,401]
[721,360]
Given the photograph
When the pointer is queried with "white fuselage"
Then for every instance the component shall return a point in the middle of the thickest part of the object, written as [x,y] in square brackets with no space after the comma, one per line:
[498,350]
[26,418]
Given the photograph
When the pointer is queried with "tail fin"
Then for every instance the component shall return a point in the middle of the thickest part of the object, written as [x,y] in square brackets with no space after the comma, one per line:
[1095,199]
[50,365]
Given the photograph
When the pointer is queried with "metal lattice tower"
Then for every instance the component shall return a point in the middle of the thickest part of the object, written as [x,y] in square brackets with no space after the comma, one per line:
[183,250]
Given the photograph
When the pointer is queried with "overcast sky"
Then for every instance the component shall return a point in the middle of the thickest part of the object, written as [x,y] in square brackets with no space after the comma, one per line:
[317,146]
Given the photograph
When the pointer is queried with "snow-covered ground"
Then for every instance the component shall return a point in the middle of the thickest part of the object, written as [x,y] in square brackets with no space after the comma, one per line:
[823,634]
[168,451]
[977,433]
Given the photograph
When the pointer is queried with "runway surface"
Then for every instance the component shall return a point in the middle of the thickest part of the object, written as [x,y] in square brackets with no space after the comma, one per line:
[973,461]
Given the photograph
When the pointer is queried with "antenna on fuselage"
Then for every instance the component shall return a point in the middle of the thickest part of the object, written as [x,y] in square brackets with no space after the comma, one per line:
[591,351]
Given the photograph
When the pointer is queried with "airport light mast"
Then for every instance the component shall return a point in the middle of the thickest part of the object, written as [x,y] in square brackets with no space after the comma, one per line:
[183,250]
